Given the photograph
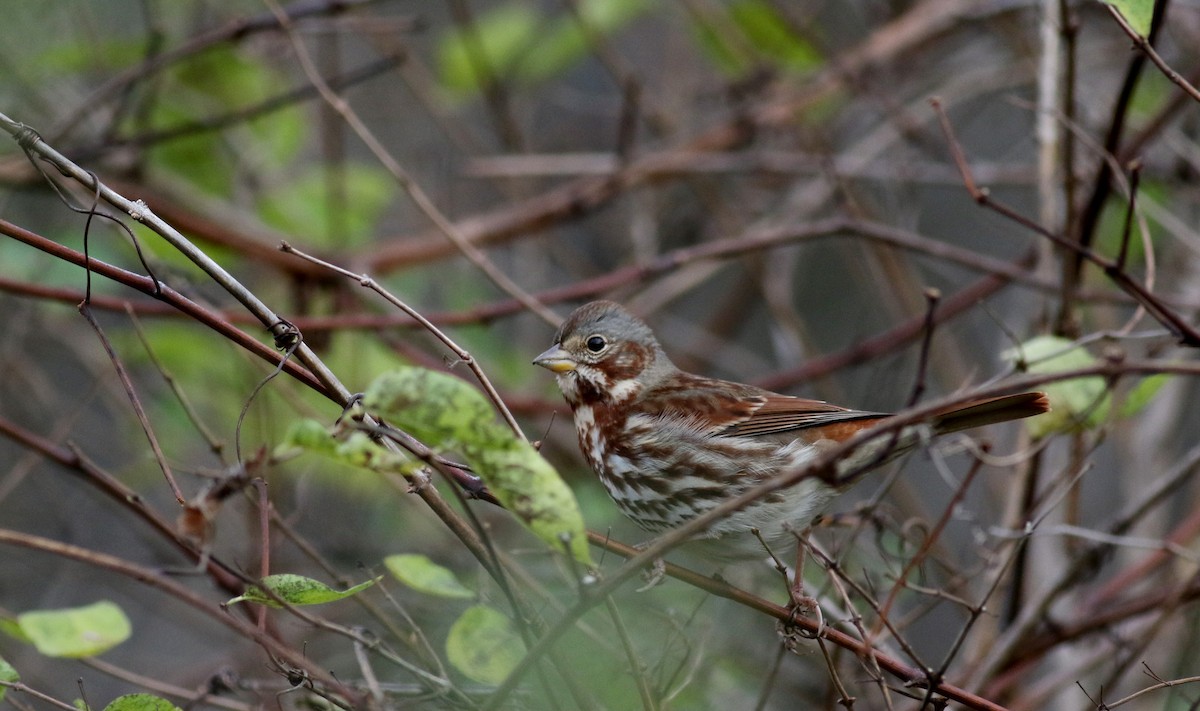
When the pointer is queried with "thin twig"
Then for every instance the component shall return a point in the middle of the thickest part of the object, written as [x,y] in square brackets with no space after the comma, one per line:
[649,703]
[180,593]
[239,28]
[214,443]
[1162,684]
[414,190]
[927,544]
[165,294]
[1143,44]
[932,297]
[1184,332]
[136,403]
[232,118]
[461,353]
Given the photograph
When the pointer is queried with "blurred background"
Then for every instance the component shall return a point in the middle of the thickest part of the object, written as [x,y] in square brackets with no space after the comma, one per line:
[766,182]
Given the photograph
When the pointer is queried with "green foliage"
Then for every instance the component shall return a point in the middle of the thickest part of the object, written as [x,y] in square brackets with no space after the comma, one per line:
[520,44]
[12,628]
[199,158]
[95,54]
[484,645]
[302,206]
[77,631]
[297,590]
[7,674]
[1138,13]
[422,574]
[215,83]
[141,702]
[1151,96]
[446,412]
[358,356]
[1111,230]
[1142,394]
[356,448]
[225,77]
[503,32]
[1077,403]
[763,29]
[565,42]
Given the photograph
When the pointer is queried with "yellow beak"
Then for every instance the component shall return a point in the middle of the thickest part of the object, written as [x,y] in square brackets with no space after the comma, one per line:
[556,360]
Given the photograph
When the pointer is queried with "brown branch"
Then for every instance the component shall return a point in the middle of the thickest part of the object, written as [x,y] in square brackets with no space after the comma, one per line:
[135,402]
[1181,329]
[907,32]
[75,463]
[236,29]
[1143,44]
[184,595]
[1089,217]
[491,83]
[238,116]
[464,356]
[415,192]
[887,342]
[715,586]
[254,243]
[166,295]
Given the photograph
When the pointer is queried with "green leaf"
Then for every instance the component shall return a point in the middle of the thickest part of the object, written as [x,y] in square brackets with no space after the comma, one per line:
[770,33]
[1138,13]
[12,628]
[297,590]
[95,54]
[1076,404]
[217,83]
[435,406]
[606,16]
[141,702]
[448,413]
[1142,394]
[502,33]
[484,645]
[763,28]
[564,42]
[356,449]
[306,435]
[8,674]
[197,159]
[280,134]
[420,573]
[226,76]
[519,44]
[1111,230]
[77,631]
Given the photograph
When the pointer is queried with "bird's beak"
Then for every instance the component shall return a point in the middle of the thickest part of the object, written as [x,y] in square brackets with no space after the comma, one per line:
[556,360]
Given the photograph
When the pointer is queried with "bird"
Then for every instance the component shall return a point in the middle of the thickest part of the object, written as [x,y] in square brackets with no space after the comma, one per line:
[668,445]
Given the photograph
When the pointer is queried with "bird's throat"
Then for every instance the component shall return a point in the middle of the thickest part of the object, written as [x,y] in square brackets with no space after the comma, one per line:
[590,386]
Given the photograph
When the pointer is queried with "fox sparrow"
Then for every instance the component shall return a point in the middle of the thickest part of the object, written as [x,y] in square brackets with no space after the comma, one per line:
[669,445]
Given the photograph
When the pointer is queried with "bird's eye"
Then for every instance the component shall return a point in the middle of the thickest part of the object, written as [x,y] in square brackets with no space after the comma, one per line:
[595,344]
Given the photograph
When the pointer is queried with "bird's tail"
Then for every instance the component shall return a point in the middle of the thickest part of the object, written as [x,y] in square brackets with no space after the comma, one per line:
[990,410]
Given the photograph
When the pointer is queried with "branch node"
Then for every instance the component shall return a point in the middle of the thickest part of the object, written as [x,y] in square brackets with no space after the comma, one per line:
[139,210]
